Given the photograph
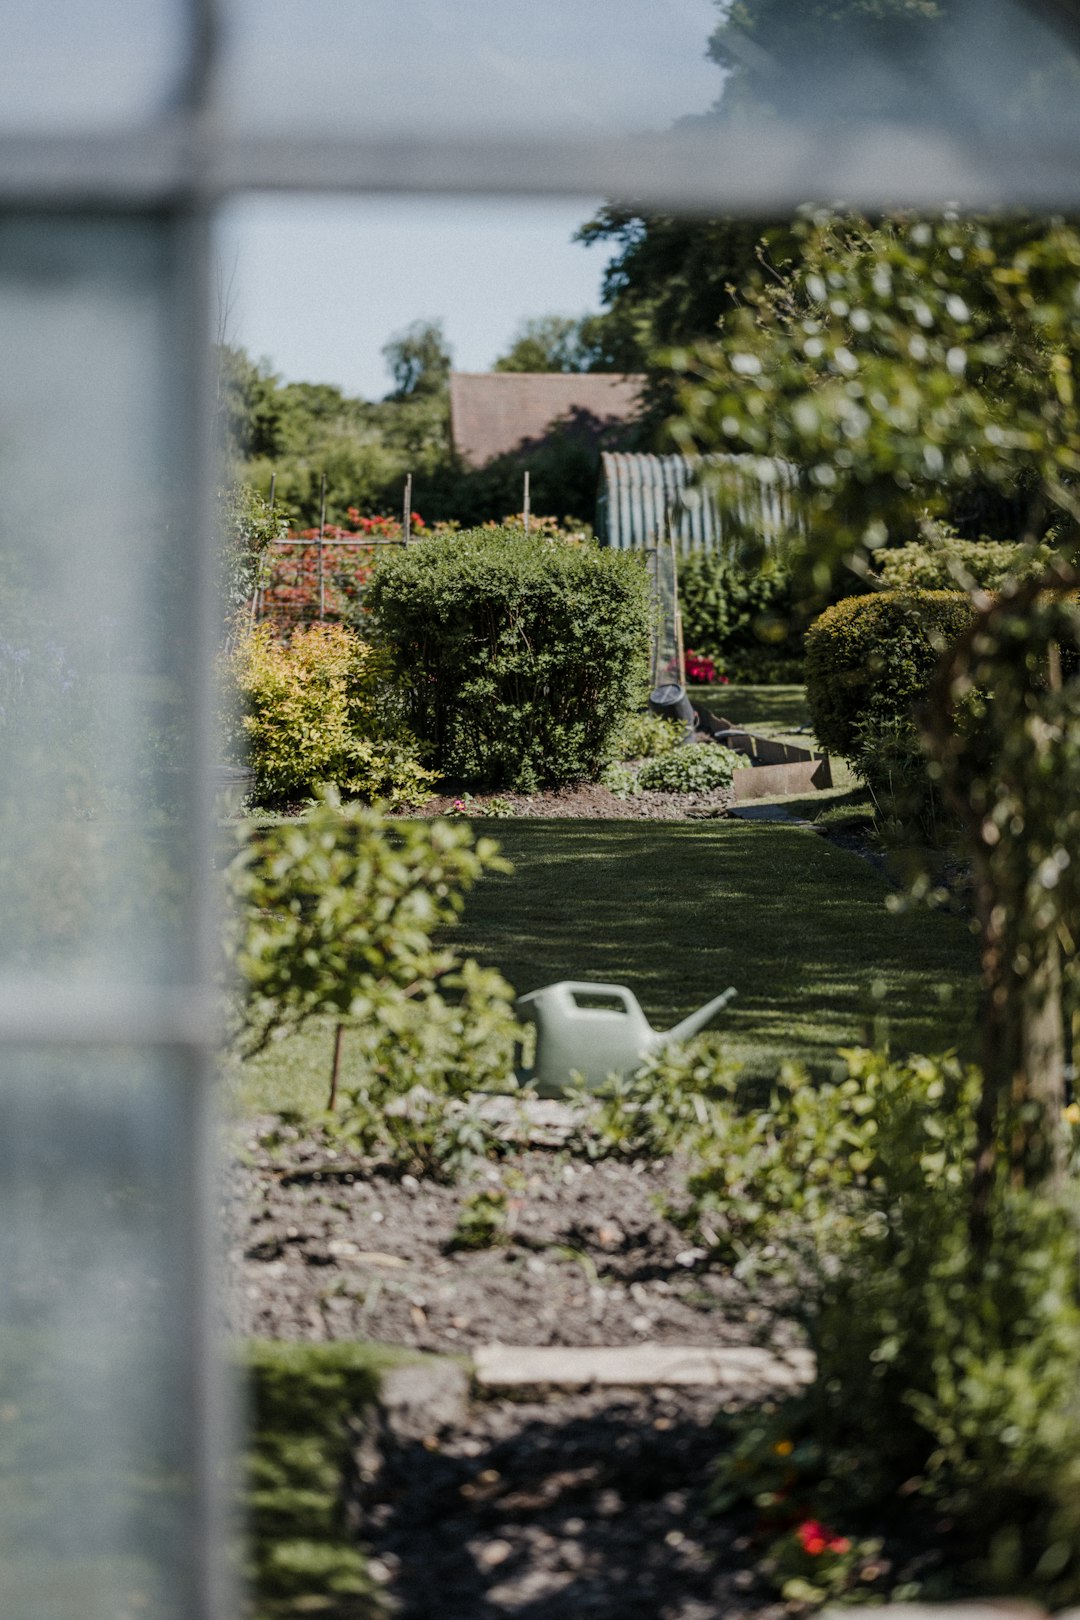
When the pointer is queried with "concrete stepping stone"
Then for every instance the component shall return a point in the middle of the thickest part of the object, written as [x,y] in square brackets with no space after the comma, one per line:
[651,1366]
[968,1609]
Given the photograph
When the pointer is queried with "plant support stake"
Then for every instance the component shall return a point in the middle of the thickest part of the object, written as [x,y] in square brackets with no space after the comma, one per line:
[406,518]
[322,528]
[525,504]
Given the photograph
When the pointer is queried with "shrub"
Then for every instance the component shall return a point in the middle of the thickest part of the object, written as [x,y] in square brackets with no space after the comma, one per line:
[873,657]
[518,657]
[310,713]
[943,1373]
[696,768]
[335,915]
[942,561]
[747,621]
[646,736]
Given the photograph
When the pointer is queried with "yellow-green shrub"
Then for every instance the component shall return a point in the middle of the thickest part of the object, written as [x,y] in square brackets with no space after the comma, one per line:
[311,710]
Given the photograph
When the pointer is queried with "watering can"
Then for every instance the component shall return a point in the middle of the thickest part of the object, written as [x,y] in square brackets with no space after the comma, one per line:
[596,1030]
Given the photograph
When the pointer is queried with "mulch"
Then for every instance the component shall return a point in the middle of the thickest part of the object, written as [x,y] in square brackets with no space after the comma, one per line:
[589,800]
[592,1502]
[322,1247]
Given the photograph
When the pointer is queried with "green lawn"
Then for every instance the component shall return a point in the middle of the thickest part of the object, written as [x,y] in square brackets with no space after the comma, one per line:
[768,709]
[680,910]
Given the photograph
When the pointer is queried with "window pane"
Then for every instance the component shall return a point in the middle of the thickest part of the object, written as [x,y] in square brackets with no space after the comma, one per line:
[97,1452]
[93,65]
[96,603]
[424,67]
[894,101]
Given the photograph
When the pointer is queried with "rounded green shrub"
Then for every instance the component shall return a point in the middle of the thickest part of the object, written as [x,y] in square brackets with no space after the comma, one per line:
[697,768]
[519,657]
[874,657]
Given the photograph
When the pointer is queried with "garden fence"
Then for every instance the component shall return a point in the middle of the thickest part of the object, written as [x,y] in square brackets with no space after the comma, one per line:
[306,580]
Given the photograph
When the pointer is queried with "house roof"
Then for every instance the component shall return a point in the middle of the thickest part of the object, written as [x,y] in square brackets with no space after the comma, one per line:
[493,412]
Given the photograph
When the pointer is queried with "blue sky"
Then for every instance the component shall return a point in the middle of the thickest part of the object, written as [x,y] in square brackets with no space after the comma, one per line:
[318,285]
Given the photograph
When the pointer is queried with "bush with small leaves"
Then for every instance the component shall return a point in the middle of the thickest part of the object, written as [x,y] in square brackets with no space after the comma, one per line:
[943,561]
[697,768]
[315,709]
[335,916]
[875,657]
[518,656]
[647,736]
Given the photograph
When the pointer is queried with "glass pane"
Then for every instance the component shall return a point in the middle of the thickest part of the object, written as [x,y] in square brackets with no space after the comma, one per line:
[424,67]
[951,77]
[95,603]
[97,1455]
[97,64]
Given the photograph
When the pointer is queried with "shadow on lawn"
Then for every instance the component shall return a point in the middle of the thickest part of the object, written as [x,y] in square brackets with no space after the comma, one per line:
[677,911]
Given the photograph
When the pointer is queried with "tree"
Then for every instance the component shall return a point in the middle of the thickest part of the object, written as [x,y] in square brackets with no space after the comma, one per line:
[418,360]
[248,405]
[558,343]
[888,365]
[669,282]
[895,60]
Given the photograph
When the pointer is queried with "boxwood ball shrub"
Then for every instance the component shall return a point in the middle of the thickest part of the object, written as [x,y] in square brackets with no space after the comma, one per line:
[873,658]
[518,656]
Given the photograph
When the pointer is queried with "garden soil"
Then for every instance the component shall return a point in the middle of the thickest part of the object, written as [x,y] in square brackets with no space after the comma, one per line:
[591,1502]
[589,800]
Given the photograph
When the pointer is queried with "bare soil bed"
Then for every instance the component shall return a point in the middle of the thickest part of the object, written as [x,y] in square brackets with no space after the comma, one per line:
[591,800]
[590,1502]
[322,1248]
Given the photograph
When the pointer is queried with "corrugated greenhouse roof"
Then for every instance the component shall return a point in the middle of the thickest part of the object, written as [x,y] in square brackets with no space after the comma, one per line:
[643,497]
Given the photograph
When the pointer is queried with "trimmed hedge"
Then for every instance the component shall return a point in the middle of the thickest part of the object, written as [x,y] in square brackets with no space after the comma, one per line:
[873,658]
[518,657]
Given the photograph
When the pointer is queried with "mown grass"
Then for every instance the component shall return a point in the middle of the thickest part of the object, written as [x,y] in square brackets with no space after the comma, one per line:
[303,1403]
[770,709]
[679,910]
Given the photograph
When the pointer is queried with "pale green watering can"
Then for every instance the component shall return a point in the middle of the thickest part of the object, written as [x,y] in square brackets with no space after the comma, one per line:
[596,1030]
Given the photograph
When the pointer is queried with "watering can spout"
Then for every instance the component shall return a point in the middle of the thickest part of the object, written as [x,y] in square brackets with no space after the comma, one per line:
[690,1026]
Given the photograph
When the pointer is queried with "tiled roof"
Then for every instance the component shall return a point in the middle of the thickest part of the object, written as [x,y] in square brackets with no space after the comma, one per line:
[498,411]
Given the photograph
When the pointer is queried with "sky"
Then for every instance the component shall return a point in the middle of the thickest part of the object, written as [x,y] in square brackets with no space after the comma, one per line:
[317,285]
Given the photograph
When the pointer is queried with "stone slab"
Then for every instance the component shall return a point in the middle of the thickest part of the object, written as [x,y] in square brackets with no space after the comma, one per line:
[636,1366]
[418,1399]
[968,1609]
[769,812]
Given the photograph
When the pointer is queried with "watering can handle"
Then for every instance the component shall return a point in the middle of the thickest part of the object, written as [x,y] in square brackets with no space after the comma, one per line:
[617,992]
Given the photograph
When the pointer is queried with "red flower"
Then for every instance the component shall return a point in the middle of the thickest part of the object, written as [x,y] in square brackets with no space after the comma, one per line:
[816,1538]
